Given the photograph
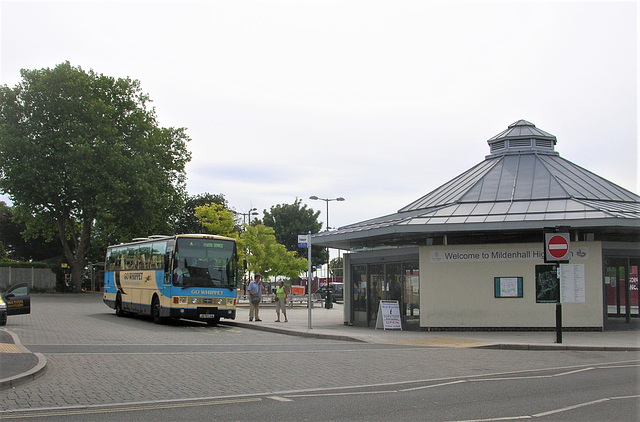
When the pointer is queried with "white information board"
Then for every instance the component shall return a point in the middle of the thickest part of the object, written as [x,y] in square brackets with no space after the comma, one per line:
[572,283]
[509,287]
[389,315]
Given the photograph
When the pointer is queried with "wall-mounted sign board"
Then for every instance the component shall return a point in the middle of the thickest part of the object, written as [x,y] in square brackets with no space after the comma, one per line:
[507,287]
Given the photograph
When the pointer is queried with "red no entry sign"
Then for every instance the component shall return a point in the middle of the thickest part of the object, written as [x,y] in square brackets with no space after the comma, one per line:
[558,246]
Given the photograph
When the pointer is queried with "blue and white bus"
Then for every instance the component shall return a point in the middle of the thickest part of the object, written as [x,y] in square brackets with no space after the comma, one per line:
[191,276]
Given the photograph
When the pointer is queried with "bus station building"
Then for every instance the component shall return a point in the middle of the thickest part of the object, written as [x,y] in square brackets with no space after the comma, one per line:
[498,246]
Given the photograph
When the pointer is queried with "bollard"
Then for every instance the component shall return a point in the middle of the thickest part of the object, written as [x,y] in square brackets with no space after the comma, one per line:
[558,322]
[329,300]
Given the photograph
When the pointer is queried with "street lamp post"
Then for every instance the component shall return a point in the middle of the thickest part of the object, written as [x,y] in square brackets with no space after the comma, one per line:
[327,200]
[248,214]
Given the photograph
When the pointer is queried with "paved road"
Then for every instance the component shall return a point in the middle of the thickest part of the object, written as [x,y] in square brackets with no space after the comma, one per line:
[539,395]
[96,359]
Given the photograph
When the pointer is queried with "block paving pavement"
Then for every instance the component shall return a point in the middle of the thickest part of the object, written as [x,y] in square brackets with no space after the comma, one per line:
[90,362]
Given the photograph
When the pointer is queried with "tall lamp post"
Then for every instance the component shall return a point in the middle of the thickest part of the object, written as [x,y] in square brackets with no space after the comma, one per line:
[252,211]
[327,200]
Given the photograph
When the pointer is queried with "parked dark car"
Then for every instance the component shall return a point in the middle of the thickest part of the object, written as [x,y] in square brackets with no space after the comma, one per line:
[14,301]
[336,291]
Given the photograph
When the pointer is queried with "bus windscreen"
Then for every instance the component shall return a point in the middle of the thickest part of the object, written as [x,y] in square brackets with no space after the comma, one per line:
[204,263]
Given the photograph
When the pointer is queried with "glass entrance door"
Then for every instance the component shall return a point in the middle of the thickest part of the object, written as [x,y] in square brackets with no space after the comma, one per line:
[359,294]
[621,288]
[374,282]
[634,297]
[376,291]
[411,294]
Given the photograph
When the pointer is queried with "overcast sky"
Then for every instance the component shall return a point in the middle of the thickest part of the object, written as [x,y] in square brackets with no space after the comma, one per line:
[379,102]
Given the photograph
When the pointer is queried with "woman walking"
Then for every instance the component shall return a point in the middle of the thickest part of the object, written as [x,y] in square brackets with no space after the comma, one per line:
[281,301]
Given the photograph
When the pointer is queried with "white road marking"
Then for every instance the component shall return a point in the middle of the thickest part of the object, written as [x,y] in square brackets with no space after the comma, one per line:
[352,393]
[565,409]
[533,376]
[432,386]
[278,398]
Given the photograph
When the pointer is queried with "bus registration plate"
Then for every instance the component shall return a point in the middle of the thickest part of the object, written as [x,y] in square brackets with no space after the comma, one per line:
[207,315]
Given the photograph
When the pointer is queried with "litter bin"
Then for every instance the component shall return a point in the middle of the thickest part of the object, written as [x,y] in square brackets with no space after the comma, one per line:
[328,302]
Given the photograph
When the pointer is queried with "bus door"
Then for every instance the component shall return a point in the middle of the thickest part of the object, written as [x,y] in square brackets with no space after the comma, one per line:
[164,274]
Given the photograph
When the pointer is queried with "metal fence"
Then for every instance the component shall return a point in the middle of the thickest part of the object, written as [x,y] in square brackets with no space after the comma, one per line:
[40,278]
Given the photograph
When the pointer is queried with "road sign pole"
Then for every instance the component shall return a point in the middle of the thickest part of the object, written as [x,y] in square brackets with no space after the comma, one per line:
[309,276]
[304,241]
[558,322]
[557,250]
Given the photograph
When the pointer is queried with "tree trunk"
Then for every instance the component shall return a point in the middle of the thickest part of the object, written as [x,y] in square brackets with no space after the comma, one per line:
[75,249]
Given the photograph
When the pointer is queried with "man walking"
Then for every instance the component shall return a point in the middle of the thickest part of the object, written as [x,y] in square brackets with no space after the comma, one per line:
[255,297]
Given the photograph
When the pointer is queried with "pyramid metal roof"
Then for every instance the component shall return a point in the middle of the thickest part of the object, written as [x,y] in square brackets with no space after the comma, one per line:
[522,130]
[522,184]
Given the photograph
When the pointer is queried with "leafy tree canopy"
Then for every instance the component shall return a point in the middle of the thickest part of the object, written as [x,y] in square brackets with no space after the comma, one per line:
[216,220]
[17,248]
[266,256]
[290,220]
[80,150]
[187,221]
[336,266]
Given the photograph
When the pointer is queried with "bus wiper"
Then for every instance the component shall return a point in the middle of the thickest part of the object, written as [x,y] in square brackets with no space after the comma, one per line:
[221,283]
[224,283]
[194,283]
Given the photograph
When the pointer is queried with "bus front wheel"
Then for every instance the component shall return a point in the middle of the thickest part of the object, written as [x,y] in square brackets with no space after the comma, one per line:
[213,322]
[119,311]
[155,311]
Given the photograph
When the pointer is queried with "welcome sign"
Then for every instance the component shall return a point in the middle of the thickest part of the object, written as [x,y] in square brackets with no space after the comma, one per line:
[497,255]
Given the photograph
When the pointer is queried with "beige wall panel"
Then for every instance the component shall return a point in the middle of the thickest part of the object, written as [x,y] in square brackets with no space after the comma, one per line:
[457,287]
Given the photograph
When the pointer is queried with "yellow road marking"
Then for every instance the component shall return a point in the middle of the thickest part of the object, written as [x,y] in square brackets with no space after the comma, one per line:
[10,348]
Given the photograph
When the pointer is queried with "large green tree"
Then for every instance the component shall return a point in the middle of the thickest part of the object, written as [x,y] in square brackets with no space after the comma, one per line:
[216,219]
[266,256]
[19,249]
[187,221]
[79,150]
[336,266]
[290,220]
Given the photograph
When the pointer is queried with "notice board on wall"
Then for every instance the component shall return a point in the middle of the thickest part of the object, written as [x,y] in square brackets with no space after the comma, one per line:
[389,315]
[507,287]
[572,283]
[547,284]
